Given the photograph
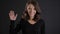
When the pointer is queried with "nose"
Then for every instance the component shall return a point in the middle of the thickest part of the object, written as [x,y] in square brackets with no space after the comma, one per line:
[31,10]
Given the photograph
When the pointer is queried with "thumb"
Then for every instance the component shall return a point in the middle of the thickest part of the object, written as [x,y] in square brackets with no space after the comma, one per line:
[16,15]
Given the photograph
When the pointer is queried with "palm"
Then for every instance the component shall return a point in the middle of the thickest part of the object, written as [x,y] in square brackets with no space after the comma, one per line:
[12,15]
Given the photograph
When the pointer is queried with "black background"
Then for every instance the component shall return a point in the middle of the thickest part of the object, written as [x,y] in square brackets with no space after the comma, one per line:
[50,14]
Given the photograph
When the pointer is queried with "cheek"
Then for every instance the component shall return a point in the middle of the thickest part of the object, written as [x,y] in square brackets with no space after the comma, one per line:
[34,12]
[28,12]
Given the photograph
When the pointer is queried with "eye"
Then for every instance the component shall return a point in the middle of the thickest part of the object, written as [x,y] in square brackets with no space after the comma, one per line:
[28,8]
[34,8]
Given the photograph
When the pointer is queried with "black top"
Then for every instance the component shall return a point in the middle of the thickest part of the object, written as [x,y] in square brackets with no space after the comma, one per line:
[27,28]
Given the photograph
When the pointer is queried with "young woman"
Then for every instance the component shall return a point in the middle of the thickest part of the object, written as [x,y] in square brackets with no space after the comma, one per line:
[31,21]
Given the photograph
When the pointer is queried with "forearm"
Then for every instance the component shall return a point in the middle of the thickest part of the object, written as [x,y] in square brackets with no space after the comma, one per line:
[12,29]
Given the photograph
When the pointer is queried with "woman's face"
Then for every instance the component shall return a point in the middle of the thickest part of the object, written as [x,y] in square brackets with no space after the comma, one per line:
[31,10]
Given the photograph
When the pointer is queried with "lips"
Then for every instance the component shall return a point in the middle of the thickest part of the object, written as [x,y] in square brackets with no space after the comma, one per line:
[31,14]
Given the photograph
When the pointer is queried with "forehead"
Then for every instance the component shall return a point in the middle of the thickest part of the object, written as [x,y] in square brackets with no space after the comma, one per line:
[30,5]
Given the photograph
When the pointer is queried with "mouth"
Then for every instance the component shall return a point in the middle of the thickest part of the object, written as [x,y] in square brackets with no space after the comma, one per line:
[31,15]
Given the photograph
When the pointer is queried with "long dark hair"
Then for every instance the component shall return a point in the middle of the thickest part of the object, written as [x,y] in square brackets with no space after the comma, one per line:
[37,8]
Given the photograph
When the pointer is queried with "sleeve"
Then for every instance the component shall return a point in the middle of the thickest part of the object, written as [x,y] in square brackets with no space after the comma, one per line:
[16,29]
[43,27]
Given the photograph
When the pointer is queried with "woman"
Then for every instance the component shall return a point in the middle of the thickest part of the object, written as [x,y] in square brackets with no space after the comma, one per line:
[31,21]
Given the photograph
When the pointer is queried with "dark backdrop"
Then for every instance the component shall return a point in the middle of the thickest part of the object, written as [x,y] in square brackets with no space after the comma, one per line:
[50,14]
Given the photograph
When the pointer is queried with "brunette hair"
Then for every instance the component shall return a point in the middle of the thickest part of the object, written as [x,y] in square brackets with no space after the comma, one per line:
[37,8]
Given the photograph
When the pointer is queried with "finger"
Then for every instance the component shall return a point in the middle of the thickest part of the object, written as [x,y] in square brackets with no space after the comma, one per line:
[11,13]
[16,15]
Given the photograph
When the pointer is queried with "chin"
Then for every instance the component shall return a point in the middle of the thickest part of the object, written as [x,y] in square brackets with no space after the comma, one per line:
[32,16]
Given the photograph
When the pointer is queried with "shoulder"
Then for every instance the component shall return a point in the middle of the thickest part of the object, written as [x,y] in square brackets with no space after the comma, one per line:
[41,21]
[22,20]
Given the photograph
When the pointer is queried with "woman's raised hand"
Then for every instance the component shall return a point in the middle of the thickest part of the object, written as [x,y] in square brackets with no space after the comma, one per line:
[12,15]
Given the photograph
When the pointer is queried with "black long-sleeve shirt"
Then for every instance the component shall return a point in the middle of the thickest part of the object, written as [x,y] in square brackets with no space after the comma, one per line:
[27,28]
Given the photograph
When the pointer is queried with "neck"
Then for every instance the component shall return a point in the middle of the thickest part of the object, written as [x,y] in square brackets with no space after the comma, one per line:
[31,18]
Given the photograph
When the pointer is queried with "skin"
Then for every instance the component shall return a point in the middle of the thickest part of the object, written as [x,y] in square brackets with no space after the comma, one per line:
[12,15]
[31,11]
